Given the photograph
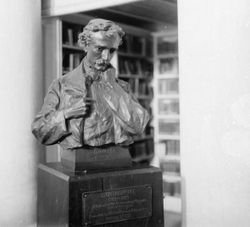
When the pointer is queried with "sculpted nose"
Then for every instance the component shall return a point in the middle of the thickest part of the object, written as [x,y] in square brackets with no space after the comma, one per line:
[105,54]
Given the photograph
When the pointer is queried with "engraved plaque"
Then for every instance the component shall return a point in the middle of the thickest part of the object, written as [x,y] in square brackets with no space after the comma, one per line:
[117,205]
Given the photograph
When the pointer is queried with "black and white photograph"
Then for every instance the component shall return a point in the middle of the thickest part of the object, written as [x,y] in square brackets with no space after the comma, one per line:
[125,113]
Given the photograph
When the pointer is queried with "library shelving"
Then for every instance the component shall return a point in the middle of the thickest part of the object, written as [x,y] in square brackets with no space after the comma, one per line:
[135,66]
[133,62]
[166,115]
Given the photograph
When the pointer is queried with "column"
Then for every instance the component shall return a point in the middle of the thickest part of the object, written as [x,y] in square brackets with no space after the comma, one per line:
[214,48]
[21,89]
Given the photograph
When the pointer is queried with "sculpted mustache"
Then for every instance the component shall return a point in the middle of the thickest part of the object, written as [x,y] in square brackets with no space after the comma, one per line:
[101,62]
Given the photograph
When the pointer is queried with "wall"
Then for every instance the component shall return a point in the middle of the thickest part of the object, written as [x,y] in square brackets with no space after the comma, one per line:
[214,48]
[20,95]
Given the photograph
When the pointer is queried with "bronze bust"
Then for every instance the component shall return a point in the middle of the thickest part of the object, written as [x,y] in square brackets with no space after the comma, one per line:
[89,106]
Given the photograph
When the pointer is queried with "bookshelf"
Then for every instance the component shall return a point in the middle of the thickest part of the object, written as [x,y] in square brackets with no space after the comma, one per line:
[136,67]
[166,116]
[72,53]
[133,62]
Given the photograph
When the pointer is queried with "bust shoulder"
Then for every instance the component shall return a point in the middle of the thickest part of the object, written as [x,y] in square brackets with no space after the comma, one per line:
[75,78]
[125,85]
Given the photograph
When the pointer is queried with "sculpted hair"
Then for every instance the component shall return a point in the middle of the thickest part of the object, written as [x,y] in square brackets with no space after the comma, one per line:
[97,25]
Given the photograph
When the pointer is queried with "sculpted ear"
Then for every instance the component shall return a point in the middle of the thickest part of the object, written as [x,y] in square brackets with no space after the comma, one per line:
[82,41]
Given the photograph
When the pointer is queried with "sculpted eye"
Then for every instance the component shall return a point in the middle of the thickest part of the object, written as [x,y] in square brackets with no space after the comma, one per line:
[112,50]
[100,49]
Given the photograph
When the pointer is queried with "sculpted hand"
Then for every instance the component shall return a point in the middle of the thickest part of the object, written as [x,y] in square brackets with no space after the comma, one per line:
[79,109]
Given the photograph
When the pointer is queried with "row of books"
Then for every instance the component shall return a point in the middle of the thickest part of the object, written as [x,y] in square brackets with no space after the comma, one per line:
[168,65]
[168,86]
[172,188]
[71,60]
[133,44]
[166,47]
[140,88]
[170,167]
[70,33]
[143,88]
[168,159]
[167,148]
[133,66]
[168,106]
[172,147]
[169,127]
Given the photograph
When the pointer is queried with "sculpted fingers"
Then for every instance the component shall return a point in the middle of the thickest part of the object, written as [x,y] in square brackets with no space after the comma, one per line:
[79,109]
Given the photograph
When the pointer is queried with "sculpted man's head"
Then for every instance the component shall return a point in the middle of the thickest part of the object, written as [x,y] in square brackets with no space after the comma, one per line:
[100,39]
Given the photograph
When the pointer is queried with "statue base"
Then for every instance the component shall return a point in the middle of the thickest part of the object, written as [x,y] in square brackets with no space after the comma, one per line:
[130,197]
[96,158]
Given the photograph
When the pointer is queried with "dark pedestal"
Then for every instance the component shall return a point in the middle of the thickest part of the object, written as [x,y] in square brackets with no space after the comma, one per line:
[96,158]
[130,197]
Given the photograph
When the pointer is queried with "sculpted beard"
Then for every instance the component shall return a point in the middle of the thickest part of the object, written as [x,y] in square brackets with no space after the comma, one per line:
[101,63]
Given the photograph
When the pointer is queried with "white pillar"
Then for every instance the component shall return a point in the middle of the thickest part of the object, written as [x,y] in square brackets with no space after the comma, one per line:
[214,45]
[20,94]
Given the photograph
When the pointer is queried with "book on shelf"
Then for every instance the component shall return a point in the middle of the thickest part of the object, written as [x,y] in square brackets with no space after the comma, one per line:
[170,167]
[77,59]
[172,147]
[169,127]
[172,188]
[143,88]
[132,84]
[121,67]
[150,91]
[133,66]
[167,147]
[133,44]
[147,68]
[168,65]
[71,60]
[149,47]
[127,67]
[167,46]
[168,86]
[177,191]
[70,33]
[70,36]
[138,45]
[168,106]
[139,67]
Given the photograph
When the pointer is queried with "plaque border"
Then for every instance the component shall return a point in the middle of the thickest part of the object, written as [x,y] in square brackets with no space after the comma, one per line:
[85,195]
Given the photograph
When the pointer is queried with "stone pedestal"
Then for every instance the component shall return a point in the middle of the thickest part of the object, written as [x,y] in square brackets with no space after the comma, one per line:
[119,198]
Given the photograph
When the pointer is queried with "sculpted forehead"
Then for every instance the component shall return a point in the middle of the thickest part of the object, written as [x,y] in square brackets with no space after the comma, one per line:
[104,38]
[99,22]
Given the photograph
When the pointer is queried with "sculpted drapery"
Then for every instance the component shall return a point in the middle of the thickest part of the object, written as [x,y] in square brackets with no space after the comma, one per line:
[115,116]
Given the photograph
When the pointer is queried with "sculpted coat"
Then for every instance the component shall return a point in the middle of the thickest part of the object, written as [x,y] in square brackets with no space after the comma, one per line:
[115,116]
